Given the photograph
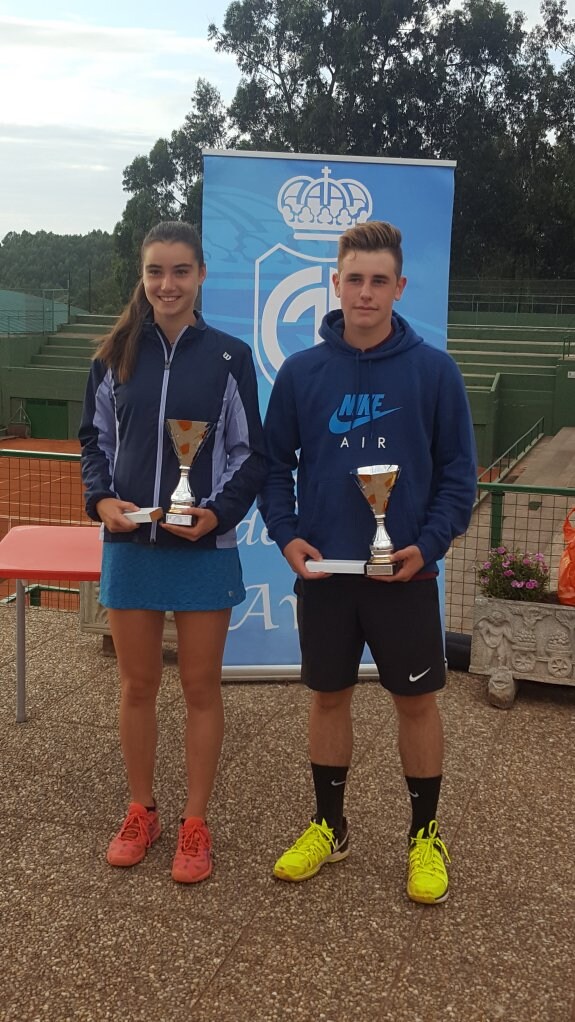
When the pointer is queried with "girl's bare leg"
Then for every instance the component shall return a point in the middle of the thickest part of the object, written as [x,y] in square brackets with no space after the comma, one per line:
[201,640]
[137,636]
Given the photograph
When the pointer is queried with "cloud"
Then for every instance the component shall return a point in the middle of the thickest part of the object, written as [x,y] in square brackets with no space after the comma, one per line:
[90,168]
[80,102]
[125,79]
[81,36]
[61,136]
[64,179]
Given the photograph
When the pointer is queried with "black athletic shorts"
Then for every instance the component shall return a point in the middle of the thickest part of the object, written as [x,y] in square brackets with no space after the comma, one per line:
[399,621]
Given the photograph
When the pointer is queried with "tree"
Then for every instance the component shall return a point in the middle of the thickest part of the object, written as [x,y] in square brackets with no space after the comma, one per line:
[558,30]
[326,76]
[420,80]
[166,184]
[409,78]
[46,261]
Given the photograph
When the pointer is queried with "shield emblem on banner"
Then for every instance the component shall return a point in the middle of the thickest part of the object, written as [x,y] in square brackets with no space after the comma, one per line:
[292,293]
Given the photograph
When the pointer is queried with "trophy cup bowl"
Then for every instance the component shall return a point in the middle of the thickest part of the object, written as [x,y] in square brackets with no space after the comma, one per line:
[376,483]
[187,436]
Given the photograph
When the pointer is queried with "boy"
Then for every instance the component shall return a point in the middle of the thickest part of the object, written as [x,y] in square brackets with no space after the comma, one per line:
[372,393]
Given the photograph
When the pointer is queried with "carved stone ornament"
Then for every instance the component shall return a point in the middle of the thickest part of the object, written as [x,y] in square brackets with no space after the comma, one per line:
[533,641]
[501,688]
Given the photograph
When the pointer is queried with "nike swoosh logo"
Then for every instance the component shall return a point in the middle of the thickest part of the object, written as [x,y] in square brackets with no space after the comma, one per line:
[414,794]
[336,784]
[337,426]
[416,677]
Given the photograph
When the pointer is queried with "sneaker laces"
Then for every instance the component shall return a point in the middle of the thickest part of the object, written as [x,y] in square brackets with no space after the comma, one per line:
[193,838]
[312,842]
[426,847]
[135,828]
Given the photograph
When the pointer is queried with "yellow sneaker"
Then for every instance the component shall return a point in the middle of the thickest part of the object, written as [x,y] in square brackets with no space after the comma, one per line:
[427,876]
[318,844]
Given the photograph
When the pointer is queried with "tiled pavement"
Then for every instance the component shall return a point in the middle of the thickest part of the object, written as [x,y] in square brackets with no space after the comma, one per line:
[81,941]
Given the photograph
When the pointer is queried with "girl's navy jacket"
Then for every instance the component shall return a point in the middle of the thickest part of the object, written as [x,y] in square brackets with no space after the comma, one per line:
[127,453]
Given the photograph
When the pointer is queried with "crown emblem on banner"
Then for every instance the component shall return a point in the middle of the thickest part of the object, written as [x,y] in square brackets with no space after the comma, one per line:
[320,209]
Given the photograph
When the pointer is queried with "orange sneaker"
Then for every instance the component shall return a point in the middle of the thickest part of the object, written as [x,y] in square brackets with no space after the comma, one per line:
[193,858]
[139,830]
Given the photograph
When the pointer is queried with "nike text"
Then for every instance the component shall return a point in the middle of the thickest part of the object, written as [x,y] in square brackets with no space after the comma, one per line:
[356,410]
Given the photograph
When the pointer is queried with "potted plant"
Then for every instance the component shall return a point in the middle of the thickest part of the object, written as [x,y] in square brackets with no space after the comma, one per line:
[513,575]
[520,630]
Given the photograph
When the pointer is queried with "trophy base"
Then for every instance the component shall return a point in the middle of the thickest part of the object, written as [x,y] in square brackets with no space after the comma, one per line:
[177,518]
[374,570]
[336,567]
[145,514]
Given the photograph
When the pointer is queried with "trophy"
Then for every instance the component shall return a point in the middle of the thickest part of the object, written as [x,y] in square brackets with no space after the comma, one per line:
[187,437]
[376,483]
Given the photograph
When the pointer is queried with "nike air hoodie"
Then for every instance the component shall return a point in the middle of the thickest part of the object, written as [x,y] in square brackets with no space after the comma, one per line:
[334,408]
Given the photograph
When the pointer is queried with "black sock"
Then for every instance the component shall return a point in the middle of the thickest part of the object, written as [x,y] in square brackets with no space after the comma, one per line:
[329,783]
[424,794]
[152,809]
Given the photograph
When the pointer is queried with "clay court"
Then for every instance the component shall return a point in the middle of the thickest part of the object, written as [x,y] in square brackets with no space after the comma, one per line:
[40,490]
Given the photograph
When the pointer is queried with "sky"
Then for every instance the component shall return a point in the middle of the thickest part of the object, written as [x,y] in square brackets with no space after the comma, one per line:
[86,87]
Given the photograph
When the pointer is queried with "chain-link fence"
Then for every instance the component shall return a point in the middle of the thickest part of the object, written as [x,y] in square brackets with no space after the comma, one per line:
[525,518]
[41,488]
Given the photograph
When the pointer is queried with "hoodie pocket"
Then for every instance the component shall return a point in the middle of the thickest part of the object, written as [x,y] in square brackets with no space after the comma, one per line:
[336,518]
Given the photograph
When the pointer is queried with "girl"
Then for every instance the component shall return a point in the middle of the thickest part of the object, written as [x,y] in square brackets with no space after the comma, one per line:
[162,361]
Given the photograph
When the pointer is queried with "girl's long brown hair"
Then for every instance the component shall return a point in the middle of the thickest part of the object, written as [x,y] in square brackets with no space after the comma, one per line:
[119,348]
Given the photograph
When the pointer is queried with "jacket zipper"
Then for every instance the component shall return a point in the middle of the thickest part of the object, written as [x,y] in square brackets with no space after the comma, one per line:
[168,357]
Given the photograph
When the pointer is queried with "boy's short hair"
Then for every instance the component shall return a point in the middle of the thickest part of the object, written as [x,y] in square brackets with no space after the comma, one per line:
[372,237]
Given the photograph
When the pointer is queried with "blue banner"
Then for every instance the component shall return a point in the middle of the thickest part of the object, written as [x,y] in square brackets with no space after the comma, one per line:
[271,223]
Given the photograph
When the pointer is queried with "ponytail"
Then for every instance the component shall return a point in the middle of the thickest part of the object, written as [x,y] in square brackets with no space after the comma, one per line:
[118,349]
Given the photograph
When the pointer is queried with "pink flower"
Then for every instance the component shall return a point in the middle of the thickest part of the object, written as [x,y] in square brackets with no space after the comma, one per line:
[527,560]
[501,550]
[531,584]
[517,585]
[487,564]
[508,574]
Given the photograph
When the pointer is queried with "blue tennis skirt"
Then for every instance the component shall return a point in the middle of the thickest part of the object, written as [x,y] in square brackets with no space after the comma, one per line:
[136,577]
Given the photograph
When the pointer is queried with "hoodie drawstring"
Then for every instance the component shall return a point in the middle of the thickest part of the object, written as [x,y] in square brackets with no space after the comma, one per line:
[357,386]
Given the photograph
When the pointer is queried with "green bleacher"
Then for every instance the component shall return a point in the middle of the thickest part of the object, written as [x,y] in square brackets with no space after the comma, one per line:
[73,345]
[517,368]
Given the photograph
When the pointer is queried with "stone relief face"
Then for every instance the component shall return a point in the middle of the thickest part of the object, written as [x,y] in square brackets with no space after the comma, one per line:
[497,616]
